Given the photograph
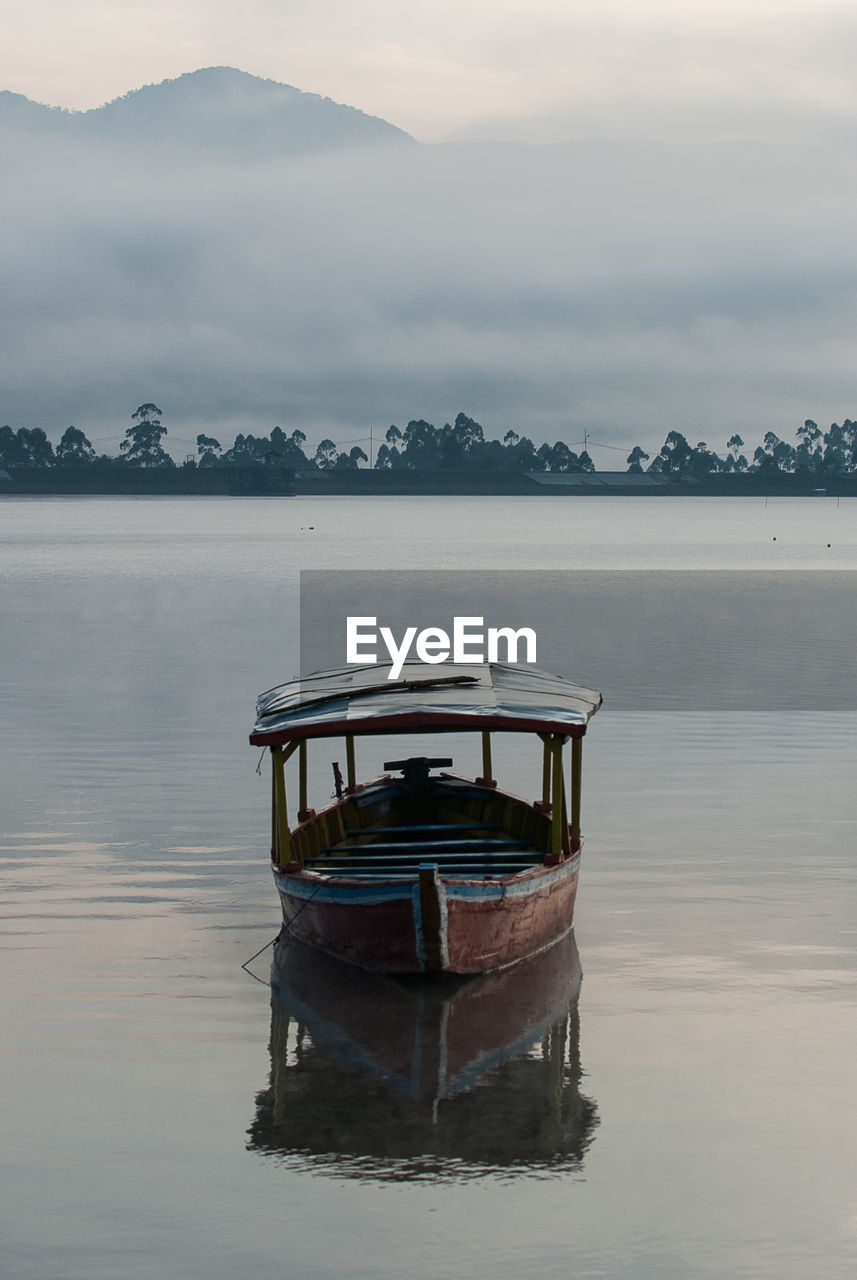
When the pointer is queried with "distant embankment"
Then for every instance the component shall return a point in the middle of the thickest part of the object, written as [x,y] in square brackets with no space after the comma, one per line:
[263,481]
[571,484]
[95,479]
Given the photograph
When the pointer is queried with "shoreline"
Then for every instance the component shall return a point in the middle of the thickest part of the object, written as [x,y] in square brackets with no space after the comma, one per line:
[265,481]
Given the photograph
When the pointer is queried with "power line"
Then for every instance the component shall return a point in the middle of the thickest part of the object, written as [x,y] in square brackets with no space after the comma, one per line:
[620,448]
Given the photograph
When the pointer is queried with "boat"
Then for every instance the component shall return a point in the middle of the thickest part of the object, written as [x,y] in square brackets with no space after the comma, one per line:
[379,1078]
[419,869]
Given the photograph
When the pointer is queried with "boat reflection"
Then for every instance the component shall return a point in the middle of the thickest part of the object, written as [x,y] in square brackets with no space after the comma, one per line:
[378,1078]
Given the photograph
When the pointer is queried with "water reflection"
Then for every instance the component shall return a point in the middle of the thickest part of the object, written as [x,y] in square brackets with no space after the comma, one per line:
[382,1079]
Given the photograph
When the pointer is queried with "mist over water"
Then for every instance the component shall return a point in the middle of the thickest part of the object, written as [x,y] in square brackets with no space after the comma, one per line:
[688,1113]
[319,276]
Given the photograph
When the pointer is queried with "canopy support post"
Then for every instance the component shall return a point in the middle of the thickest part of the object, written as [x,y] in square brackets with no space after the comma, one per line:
[282,835]
[546,768]
[487,778]
[350,767]
[275,858]
[556,797]
[282,843]
[302,777]
[565,838]
[576,782]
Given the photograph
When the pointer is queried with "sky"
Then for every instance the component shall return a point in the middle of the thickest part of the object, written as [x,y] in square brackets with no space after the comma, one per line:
[636,271]
[536,70]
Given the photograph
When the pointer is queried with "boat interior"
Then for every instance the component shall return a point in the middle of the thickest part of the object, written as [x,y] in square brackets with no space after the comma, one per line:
[390,826]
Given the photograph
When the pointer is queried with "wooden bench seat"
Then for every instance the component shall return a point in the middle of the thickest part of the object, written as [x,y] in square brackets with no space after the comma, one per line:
[424,829]
[429,847]
[452,870]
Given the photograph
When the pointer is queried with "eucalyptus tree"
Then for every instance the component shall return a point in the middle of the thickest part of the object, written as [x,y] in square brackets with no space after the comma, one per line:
[674,456]
[26,447]
[636,458]
[774,454]
[74,449]
[207,448]
[142,444]
[809,455]
[349,461]
[736,461]
[326,455]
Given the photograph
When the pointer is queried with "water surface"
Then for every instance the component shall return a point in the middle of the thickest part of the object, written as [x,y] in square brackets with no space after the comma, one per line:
[689,1113]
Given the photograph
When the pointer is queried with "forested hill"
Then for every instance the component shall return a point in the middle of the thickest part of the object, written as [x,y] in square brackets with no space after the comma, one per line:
[215,109]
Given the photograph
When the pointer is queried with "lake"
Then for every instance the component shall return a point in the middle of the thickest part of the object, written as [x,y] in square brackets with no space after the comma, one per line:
[669,1095]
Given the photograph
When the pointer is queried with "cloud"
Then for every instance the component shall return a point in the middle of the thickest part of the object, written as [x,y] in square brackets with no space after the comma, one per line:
[626,289]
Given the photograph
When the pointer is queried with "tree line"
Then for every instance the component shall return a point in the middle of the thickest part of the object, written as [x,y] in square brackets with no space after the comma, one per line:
[460,446]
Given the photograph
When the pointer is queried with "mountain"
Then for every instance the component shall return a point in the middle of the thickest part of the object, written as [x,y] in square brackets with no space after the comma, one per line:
[217,109]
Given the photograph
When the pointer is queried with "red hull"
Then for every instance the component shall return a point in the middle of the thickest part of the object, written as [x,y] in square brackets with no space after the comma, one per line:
[475,925]
[379,936]
[484,935]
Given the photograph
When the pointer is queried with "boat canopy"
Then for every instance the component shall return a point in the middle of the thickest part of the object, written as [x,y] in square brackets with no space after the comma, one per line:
[362,700]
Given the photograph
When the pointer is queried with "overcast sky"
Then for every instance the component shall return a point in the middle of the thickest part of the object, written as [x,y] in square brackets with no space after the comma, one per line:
[538,70]
[622,290]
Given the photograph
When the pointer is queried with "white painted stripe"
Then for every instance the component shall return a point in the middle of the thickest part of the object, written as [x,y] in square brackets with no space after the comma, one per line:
[490,890]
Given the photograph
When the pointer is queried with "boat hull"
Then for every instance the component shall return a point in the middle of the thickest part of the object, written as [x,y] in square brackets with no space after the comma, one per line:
[429,924]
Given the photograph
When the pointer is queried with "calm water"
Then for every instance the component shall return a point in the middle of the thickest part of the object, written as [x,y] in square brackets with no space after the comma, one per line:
[684,1110]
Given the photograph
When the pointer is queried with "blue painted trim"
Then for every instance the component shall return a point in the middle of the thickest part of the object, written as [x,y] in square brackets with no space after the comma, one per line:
[494,889]
[404,890]
[365,894]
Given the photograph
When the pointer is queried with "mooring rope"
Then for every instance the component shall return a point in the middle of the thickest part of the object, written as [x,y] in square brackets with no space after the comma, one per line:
[244,966]
[287,928]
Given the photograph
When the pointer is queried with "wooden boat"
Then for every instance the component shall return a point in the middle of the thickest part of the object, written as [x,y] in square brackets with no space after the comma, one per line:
[374,1077]
[427,871]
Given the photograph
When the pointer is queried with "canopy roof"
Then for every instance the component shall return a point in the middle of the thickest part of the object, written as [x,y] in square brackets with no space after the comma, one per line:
[361,699]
